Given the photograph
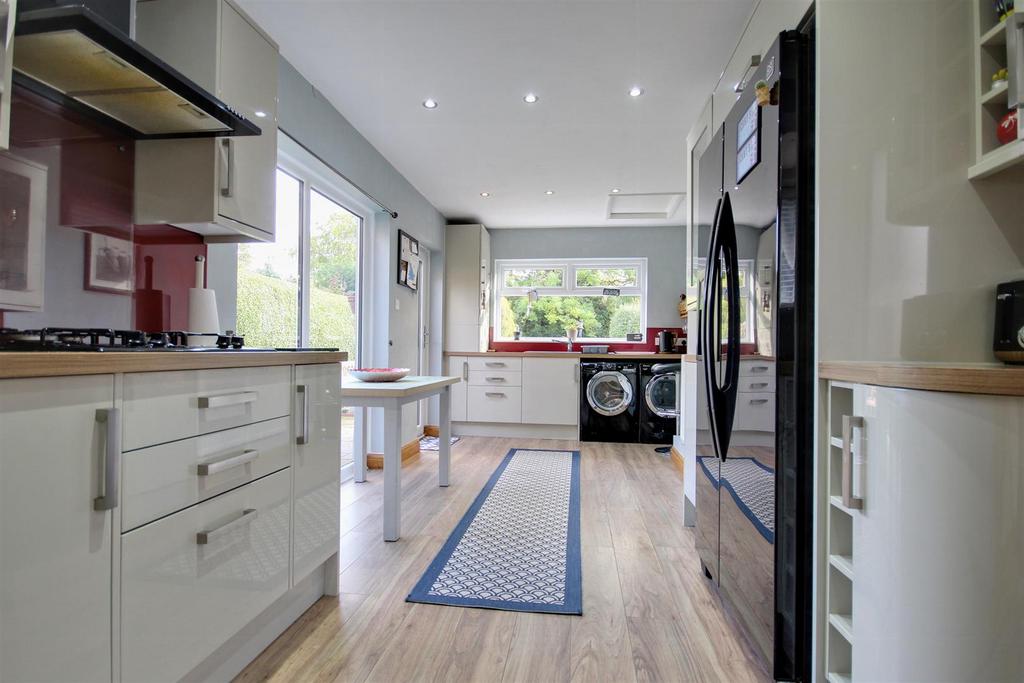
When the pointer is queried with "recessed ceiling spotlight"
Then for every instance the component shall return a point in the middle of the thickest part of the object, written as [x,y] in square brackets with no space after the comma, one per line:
[549,192]
[616,190]
[530,98]
[485,195]
[430,103]
[260,114]
[636,91]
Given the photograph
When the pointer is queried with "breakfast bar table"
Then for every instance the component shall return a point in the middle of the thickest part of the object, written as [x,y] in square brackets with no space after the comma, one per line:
[391,396]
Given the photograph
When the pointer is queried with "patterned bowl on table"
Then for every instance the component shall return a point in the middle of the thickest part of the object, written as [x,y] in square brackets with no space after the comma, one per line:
[379,374]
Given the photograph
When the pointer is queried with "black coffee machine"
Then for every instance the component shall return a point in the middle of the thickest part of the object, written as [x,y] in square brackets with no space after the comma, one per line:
[1009,337]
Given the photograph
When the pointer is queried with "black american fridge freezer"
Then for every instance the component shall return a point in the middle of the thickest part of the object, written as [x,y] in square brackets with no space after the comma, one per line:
[755,474]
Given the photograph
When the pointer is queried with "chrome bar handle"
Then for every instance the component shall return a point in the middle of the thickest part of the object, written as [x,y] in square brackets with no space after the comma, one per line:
[208,468]
[303,391]
[246,518]
[1015,59]
[496,379]
[495,364]
[850,422]
[576,372]
[111,417]
[465,370]
[228,399]
[758,401]
[227,155]
[758,385]
[494,394]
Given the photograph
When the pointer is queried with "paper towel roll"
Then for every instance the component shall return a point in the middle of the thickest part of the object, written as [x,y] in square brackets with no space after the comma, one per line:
[202,316]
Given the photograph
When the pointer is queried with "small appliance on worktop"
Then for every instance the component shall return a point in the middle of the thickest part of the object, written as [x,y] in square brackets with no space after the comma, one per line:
[1009,337]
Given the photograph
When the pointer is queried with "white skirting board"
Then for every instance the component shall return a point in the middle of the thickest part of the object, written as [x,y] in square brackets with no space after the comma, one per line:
[230,658]
[513,429]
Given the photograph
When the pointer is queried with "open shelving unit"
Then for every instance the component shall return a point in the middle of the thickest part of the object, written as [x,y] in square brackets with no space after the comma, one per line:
[992,103]
[838,545]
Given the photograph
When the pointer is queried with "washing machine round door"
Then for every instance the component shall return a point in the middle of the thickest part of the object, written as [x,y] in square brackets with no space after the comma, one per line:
[661,395]
[610,393]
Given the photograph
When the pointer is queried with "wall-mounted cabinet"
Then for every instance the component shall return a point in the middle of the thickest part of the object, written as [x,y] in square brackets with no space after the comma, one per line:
[467,281]
[998,50]
[222,188]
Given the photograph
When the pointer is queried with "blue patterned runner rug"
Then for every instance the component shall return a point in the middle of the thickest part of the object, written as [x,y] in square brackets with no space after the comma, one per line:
[518,546]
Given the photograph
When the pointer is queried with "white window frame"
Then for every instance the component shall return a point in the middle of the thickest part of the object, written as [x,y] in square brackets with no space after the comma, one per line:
[569,288]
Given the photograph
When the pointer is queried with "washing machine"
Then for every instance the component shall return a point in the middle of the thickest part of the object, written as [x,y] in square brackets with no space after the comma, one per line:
[658,413]
[609,407]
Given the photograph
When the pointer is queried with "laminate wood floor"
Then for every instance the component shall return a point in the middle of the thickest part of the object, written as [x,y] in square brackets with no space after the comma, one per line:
[649,613]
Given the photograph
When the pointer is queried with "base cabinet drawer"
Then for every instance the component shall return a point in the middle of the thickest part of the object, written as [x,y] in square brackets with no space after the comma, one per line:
[166,406]
[495,363]
[159,480]
[755,384]
[495,378]
[495,404]
[192,580]
[755,413]
[757,368]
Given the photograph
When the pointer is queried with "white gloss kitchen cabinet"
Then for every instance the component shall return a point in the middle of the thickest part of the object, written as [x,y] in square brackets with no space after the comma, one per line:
[222,487]
[223,187]
[58,442]
[467,290]
[317,466]
[515,390]
[920,568]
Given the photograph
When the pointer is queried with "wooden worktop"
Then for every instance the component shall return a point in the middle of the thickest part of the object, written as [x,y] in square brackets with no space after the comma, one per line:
[622,355]
[58,363]
[975,378]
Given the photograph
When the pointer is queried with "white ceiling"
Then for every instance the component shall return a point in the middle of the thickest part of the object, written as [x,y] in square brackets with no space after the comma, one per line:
[377,60]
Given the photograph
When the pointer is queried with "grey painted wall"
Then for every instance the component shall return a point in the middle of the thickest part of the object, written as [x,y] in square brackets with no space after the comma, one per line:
[664,247]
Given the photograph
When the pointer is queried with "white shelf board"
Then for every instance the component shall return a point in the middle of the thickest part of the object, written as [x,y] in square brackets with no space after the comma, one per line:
[996,95]
[844,563]
[843,624]
[837,502]
[836,441]
[997,160]
[834,677]
[994,36]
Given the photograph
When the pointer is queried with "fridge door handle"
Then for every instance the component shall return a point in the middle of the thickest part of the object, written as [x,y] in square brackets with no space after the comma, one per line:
[728,245]
[718,414]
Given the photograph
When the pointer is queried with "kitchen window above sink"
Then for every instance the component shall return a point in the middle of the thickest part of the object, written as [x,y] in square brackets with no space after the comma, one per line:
[541,299]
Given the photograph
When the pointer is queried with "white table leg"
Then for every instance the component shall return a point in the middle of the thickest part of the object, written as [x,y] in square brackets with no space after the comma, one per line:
[392,472]
[359,444]
[444,446]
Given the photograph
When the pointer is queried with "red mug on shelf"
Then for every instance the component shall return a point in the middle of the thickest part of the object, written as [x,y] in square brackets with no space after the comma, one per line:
[1006,131]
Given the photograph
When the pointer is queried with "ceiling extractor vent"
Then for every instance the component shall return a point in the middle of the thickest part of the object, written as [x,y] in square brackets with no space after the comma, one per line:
[644,206]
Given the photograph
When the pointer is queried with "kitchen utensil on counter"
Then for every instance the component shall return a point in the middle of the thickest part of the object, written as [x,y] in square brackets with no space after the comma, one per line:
[202,310]
[595,348]
[379,374]
[1009,337]
[666,341]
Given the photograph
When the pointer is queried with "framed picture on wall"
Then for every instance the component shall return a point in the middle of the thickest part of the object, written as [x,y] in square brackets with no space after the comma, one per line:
[408,260]
[22,233]
[108,264]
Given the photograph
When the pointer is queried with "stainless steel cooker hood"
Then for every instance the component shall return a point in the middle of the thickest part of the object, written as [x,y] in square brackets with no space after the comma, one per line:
[73,56]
